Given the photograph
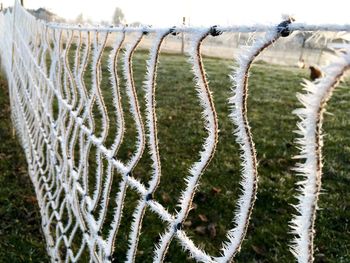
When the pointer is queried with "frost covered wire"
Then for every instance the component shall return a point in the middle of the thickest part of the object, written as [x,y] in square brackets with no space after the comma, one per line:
[63,123]
[112,66]
[314,100]
[244,138]
[133,101]
[151,121]
[209,146]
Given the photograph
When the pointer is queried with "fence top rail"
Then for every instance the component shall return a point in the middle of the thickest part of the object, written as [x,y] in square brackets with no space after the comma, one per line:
[189,29]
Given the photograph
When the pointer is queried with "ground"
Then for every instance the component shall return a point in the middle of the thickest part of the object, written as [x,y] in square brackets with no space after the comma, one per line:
[271,102]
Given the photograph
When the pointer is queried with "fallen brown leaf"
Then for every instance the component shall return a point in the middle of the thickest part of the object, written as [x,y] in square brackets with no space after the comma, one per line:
[203,218]
[166,198]
[258,250]
[187,223]
[30,199]
[200,230]
[215,190]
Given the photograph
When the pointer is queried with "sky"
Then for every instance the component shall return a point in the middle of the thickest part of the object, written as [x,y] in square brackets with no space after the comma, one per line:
[199,12]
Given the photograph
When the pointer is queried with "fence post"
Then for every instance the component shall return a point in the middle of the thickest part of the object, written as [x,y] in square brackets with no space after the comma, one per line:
[321,52]
[183,37]
[302,49]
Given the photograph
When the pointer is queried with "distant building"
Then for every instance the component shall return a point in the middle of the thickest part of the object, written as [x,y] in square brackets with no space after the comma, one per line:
[44,14]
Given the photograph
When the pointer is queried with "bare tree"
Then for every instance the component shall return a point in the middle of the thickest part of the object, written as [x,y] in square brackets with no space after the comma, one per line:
[79,19]
[118,17]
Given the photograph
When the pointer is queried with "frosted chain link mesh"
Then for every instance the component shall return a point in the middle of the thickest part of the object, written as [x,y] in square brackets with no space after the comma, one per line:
[52,110]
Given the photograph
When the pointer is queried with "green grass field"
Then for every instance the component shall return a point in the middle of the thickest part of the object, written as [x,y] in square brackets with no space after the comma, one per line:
[271,102]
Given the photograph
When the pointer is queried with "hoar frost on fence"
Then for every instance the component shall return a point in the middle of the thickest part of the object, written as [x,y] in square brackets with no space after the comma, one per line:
[62,182]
